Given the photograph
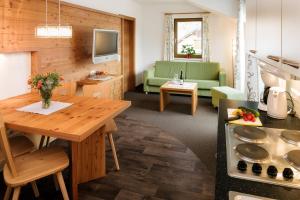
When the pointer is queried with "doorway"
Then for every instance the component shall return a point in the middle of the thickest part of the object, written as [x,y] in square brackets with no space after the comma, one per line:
[128,53]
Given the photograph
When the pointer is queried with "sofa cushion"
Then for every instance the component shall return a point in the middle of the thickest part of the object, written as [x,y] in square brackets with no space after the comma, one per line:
[205,84]
[157,81]
[228,92]
[202,71]
[167,69]
[225,92]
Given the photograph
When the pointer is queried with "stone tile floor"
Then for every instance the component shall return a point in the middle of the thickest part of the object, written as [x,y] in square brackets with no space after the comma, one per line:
[154,165]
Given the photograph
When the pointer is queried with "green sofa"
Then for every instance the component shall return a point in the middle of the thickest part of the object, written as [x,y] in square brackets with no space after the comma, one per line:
[206,74]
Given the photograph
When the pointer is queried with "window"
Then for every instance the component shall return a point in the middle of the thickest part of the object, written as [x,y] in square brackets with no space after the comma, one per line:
[188,31]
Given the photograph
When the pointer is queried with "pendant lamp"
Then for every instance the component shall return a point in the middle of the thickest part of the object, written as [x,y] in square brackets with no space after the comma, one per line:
[50,31]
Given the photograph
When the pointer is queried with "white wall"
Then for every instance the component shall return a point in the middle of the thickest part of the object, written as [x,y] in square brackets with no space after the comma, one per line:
[222,33]
[15,70]
[124,7]
[153,24]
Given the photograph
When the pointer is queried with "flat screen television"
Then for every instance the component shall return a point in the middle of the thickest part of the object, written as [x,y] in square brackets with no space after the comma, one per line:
[105,45]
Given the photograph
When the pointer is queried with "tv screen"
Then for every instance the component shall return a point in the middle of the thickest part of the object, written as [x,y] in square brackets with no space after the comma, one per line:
[105,42]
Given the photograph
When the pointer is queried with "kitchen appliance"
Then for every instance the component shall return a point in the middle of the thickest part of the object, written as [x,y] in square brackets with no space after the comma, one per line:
[243,196]
[277,103]
[295,93]
[264,147]
[269,80]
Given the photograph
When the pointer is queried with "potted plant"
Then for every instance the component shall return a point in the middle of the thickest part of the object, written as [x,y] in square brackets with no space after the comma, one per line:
[45,84]
[188,50]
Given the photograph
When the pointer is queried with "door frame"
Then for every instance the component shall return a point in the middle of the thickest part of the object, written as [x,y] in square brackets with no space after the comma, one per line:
[133,21]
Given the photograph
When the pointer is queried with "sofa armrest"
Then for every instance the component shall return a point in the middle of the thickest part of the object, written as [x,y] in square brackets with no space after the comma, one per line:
[222,78]
[149,73]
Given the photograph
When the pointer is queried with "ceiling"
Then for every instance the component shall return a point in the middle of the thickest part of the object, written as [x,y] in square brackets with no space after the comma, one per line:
[224,7]
[159,1]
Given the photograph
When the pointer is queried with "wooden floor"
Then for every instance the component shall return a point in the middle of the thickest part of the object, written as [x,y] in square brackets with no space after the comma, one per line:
[153,164]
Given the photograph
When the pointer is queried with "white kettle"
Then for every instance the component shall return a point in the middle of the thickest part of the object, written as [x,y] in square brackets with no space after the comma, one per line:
[277,103]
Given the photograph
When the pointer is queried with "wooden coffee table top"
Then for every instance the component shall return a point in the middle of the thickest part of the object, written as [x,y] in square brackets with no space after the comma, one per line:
[186,87]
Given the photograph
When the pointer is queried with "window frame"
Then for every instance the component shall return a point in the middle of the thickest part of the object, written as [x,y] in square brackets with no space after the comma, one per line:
[176,20]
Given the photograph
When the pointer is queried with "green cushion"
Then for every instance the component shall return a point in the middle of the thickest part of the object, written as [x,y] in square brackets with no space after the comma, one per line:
[167,69]
[205,84]
[202,71]
[157,81]
[225,92]
[204,93]
[229,92]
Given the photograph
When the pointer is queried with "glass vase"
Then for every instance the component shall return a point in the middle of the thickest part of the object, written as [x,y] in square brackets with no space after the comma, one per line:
[46,98]
[46,103]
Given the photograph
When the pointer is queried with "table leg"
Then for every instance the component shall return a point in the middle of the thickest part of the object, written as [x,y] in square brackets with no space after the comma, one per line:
[74,185]
[164,100]
[194,102]
[161,100]
[88,160]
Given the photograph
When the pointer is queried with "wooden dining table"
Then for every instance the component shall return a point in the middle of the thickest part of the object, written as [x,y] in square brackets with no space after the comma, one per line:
[82,124]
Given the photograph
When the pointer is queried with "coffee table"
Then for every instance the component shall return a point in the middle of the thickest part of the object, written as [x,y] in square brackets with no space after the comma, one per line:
[186,88]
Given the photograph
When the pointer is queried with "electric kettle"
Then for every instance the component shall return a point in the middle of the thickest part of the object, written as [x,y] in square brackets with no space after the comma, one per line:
[277,103]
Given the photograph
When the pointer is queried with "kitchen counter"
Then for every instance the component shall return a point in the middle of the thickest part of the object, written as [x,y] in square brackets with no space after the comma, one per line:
[225,183]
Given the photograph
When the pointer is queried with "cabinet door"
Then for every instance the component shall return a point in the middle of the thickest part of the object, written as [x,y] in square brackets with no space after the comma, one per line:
[269,27]
[117,89]
[111,89]
[250,30]
[102,90]
[291,30]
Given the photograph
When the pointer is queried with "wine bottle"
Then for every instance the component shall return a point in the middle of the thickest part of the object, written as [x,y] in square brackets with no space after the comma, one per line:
[181,77]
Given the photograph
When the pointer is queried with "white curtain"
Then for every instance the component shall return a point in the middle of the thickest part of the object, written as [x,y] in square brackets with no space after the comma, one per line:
[240,60]
[252,79]
[205,42]
[169,38]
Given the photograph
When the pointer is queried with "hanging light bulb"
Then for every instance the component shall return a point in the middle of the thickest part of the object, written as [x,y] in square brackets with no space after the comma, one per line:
[49,31]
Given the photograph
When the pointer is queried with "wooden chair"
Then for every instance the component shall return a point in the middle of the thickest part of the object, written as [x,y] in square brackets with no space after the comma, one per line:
[20,145]
[30,167]
[110,128]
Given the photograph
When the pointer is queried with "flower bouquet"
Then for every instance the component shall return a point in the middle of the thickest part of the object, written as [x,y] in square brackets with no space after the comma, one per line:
[45,84]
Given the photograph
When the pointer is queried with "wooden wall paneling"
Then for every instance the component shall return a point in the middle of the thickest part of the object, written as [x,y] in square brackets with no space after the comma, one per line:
[35,63]
[125,50]
[70,57]
[1,25]
[122,55]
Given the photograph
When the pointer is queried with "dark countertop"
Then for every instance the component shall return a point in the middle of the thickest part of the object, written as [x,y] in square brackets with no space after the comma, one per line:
[224,183]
